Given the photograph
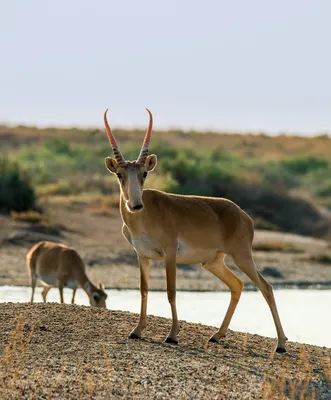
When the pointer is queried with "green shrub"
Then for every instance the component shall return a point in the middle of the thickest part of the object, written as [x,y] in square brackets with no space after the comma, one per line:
[161,149]
[56,159]
[275,176]
[304,171]
[321,258]
[193,173]
[188,171]
[15,191]
[324,190]
[303,164]
[58,146]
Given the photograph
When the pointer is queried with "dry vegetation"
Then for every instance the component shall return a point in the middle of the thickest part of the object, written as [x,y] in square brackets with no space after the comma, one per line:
[41,356]
[280,246]
[282,182]
[257,145]
[27,216]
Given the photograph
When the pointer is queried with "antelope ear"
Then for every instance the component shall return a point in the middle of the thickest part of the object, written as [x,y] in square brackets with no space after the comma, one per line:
[151,162]
[88,287]
[111,164]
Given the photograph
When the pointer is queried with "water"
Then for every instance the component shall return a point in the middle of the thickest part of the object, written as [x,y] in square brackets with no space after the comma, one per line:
[305,314]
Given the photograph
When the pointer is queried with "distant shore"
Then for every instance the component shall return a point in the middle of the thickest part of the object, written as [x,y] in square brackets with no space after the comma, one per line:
[300,285]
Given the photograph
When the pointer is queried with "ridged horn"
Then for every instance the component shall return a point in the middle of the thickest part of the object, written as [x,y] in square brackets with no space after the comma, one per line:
[144,149]
[117,154]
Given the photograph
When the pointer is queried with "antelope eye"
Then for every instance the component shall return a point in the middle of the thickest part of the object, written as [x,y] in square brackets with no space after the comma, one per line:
[119,176]
[145,174]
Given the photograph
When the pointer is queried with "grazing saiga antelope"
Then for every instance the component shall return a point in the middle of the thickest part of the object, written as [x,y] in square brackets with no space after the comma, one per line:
[184,229]
[57,265]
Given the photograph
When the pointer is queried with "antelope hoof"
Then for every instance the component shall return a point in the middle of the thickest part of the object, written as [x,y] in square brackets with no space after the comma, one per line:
[134,336]
[171,340]
[214,339]
[280,350]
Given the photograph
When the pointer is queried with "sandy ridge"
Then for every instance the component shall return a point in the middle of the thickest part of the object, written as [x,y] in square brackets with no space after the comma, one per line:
[63,351]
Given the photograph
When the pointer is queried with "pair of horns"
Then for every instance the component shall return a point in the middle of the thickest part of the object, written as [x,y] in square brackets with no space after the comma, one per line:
[144,148]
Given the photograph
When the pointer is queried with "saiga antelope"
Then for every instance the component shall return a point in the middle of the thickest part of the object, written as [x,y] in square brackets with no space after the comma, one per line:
[61,266]
[184,229]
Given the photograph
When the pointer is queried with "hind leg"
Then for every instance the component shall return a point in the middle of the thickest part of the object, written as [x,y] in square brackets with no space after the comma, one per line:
[170,263]
[219,269]
[33,281]
[44,292]
[246,263]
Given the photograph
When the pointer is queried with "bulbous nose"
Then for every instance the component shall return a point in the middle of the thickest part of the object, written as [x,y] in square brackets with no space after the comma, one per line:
[137,207]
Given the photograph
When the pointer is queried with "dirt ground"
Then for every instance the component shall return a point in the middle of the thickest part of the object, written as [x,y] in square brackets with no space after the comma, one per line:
[284,259]
[50,351]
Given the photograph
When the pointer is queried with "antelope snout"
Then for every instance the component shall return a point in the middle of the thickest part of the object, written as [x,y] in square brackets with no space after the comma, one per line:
[135,207]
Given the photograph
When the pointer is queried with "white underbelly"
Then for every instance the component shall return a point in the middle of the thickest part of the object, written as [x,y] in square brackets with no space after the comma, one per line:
[71,284]
[50,280]
[146,247]
[194,255]
[186,254]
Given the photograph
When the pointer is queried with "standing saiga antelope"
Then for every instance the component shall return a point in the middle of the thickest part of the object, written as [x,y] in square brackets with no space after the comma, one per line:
[61,266]
[184,229]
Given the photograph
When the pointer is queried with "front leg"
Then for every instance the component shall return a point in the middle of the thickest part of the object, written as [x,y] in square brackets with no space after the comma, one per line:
[73,296]
[144,279]
[170,264]
[60,287]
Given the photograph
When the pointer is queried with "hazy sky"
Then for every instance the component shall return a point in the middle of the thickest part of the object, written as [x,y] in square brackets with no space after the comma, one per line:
[224,65]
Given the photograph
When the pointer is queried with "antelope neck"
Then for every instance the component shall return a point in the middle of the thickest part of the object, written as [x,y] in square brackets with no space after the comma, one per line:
[134,221]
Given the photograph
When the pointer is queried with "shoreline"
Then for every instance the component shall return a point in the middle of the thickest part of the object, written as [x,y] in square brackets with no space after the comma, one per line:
[290,285]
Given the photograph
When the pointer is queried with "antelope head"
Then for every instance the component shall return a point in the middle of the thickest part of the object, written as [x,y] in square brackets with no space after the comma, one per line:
[131,174]
[96,295]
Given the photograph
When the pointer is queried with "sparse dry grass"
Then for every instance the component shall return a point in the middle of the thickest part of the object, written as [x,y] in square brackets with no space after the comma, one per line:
[276,246]
[64,351]
[321,258]
[110,201]
[105,205]
[279,387]
[39,221]
[27,216]
[16,358]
